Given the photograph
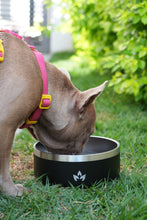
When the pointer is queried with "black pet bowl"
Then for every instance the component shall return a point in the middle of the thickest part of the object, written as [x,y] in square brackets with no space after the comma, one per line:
[100,160]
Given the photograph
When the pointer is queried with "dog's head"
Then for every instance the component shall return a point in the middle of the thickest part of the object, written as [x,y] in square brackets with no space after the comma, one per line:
[67,125]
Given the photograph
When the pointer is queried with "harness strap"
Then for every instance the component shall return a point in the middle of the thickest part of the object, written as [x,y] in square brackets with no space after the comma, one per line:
[45,99]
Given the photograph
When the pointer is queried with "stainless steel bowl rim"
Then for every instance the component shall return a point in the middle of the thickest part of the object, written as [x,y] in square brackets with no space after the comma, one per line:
[79,158]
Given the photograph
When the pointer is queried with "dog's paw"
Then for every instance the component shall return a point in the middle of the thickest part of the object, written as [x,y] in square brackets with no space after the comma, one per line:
[21,190]
[16,190]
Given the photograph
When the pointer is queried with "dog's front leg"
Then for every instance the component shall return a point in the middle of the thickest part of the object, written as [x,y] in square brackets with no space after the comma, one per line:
[6,184]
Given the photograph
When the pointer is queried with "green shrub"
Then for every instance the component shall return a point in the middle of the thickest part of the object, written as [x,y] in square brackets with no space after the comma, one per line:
[129,56]
[112,35]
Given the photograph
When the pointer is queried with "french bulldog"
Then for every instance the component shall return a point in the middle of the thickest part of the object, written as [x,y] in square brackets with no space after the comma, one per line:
[64,128]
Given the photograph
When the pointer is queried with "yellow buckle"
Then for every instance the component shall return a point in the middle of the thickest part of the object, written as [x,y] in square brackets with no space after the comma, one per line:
[28,122]
[48,97]
[1,50]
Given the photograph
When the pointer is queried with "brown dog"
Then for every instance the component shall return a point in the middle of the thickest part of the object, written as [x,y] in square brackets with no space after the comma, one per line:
[64,127]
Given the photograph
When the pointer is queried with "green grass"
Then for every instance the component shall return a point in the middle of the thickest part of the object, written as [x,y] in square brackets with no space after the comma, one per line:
[125,198]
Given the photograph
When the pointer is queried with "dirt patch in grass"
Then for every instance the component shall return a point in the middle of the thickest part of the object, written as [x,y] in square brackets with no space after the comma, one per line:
[21,166]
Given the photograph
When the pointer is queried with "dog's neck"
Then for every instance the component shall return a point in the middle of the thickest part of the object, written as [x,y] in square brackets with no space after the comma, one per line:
[63,95]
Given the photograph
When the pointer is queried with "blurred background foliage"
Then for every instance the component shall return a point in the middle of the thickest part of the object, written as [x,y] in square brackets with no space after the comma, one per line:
[111,36]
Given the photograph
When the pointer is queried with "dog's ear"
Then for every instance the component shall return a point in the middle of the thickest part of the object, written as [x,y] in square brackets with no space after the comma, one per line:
[87,97]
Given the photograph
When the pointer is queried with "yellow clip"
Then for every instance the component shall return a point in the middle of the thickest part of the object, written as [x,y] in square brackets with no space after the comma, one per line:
[48,101]
[28,122]
[1,51]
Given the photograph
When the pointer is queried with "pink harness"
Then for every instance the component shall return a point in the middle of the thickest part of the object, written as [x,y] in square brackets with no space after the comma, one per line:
[46,99]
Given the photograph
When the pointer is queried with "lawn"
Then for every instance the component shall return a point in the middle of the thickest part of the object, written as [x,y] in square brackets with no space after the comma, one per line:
[125,198]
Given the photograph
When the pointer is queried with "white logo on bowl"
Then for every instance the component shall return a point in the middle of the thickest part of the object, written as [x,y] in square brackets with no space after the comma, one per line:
[79,176]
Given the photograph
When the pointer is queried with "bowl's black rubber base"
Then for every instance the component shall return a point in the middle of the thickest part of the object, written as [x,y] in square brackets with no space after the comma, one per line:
[85,173]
